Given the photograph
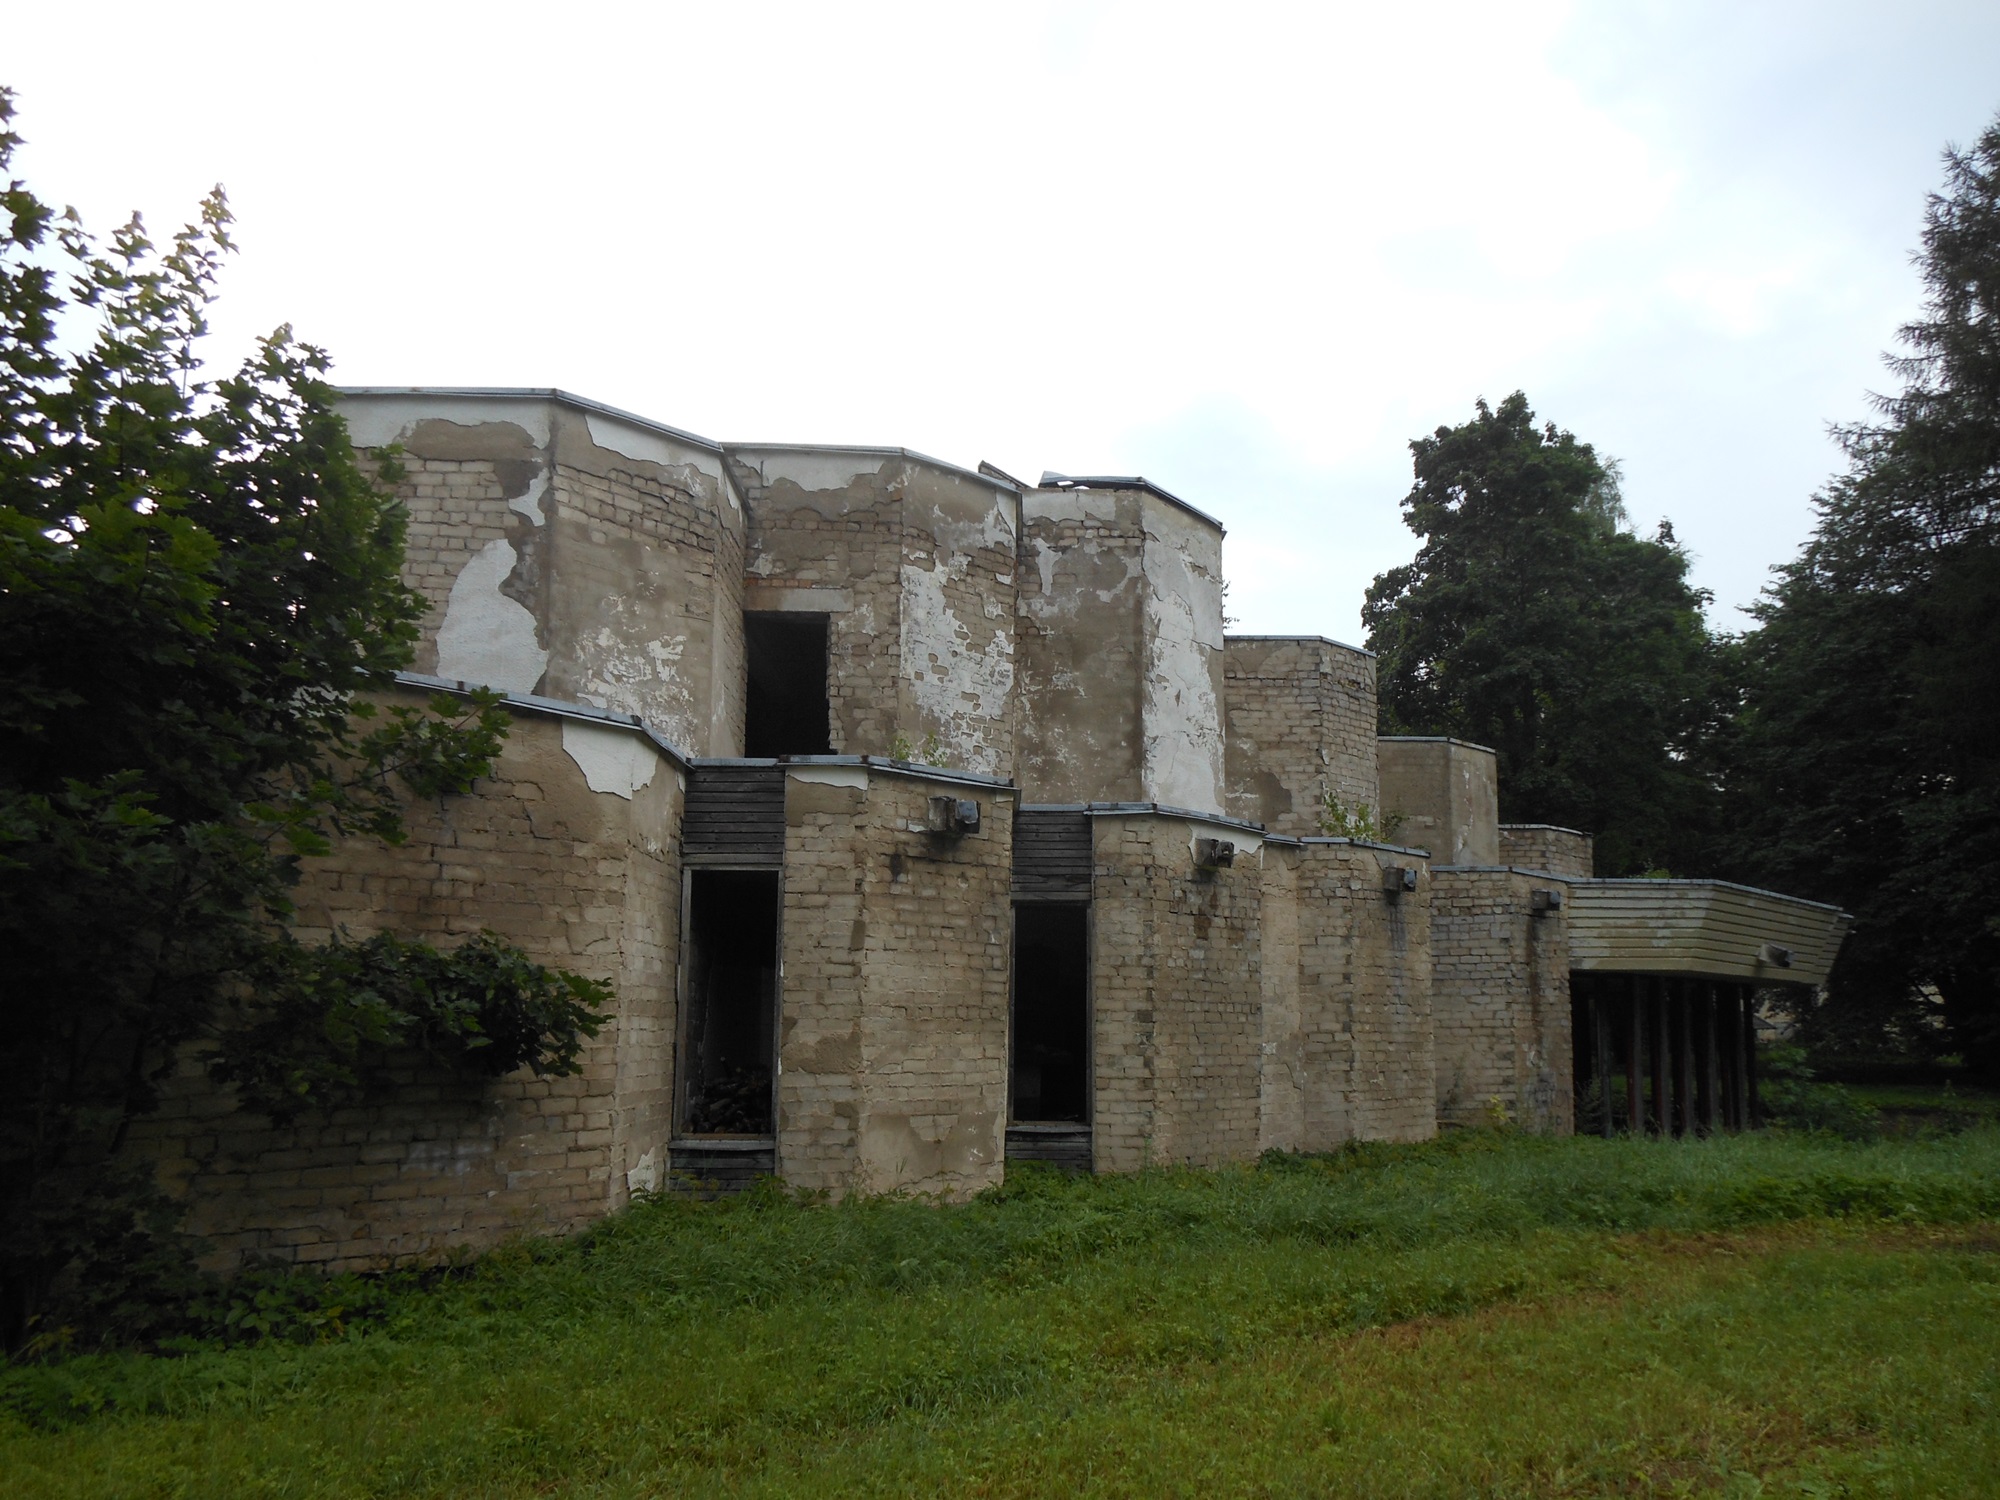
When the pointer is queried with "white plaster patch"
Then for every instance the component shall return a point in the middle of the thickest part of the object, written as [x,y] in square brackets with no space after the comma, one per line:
[645,1177]
[1183,720]
[1245,841]
[486,637]
[649,446]
[818,471]
[375,421]
[962,690]
[621,666]
[618,761]
[847,776]
[530,504]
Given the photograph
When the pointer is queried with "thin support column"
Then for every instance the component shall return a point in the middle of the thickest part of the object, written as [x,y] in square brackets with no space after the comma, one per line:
[1711,1081]
[1663,1063]
[1600,1041]
[1753,1107]
[1635,1042]
[1683,1057]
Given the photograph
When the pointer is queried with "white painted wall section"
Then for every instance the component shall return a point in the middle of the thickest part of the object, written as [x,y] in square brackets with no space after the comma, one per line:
[486,637]
[617,761]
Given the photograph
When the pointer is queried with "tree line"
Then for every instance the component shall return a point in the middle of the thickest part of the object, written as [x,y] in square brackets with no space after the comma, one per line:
[1846,748]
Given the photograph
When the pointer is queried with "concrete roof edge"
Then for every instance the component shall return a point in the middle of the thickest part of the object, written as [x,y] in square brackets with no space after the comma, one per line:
[1126,482]
[555,708]
[1146,809]
[873,451]
[1527,870]
[1436,739]
[1324,640]
[533,393]
[869,762]
[1408,849]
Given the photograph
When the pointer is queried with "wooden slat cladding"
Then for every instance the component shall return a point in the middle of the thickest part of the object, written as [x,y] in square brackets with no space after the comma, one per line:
[735,813]
[1699,927]
[1052,854]
[1064,1146]
[710,1169]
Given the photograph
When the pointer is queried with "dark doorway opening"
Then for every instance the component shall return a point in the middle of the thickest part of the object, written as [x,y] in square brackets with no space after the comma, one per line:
[1051,1062]
[785,704]
[730,1053]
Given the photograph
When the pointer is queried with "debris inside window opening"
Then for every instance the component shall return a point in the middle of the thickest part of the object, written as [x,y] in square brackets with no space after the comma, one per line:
[732,1001]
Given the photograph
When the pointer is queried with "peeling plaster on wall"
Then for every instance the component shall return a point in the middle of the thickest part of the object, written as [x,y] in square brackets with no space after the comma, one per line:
[1184,744]
[818,471]
[848,776]
[952,683]
[644,1177]
[1246,842]
[612,760]
[620,668]
[376,421]
[648,447]
[530,503]
[485,636]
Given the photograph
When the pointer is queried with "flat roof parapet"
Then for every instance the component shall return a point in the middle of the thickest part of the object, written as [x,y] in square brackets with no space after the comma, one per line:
[1054,481]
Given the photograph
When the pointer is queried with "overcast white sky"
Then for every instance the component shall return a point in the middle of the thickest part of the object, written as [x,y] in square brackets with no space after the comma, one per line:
[1246,251]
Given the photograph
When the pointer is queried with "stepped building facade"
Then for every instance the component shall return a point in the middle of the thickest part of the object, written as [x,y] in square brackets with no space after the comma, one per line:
[923,820]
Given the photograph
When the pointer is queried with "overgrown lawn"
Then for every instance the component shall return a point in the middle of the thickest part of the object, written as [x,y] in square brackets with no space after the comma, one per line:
[1487,1314]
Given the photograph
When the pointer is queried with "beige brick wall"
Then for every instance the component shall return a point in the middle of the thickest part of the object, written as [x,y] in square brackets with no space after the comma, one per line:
[581,880]
[893,1006]
[1364,997]
[1301,722]
[1541,846]
[1177,997]
[1501,996]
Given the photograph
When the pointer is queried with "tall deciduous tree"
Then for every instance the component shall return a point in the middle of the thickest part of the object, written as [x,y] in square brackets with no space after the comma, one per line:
[1868,771]
[196,579]
[1533,621]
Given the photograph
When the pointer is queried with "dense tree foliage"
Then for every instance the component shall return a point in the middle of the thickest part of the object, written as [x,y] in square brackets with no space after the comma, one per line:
[1534,622]
[1868,766]
[196,578]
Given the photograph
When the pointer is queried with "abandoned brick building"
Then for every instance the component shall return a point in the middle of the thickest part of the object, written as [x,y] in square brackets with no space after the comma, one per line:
[925,819]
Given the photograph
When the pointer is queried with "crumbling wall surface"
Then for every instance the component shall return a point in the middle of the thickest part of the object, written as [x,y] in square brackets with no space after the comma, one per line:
[1283,1076]
[1082,647]
[893,1011]
[1177,995]
[1364,981]
[1445,794]
[1301,723]
[913,563]
[1120,650]
[1184,670]
[569,850]
[1501,999]
[571,553]
[1542,846]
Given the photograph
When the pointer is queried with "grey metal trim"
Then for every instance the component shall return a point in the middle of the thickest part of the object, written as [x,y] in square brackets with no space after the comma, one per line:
[870,762]
[555,708]
[1435,739]
[1054,481]
[1544,828]
[1324,640]
[1409,849]
[1507,870]
[533,393]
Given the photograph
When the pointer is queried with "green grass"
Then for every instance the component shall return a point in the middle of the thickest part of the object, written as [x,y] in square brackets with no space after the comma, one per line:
[1486,1315]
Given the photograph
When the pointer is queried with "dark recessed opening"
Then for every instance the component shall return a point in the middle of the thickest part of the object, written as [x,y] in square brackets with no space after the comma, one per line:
[1051,1072]
[785,708]
[731,1050]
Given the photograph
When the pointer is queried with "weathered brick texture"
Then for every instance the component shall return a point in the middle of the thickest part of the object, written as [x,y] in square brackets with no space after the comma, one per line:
[893,1004]
[1501,998]
[1541,846]
[1301,723]
[581,880]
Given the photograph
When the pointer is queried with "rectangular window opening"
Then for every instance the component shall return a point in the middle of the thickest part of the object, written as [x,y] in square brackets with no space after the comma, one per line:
[785,700]
[729,1057]
[1051,1061]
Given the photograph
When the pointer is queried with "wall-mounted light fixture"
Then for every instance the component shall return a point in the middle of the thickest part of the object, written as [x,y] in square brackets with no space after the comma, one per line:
[1775,956]
[957,816]
[1398,881]
[1544,902]
[1214,854]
